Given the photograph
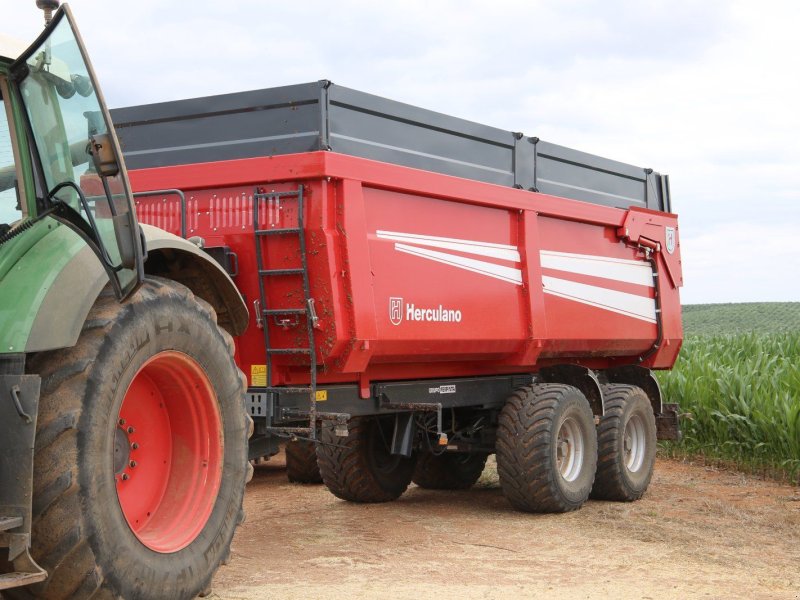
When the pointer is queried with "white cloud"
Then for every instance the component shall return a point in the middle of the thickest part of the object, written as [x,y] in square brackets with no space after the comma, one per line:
[706,91]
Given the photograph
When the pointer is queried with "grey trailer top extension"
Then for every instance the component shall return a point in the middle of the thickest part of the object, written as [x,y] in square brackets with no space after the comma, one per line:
[323,116]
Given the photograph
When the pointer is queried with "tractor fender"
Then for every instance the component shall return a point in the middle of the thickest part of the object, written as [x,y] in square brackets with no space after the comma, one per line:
[175,258]
[63,310]
[60,316]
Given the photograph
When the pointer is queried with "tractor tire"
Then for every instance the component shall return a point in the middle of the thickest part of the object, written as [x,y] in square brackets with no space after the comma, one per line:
[448,471]
[360,467]
[301,462]
[140,457]
[546,448]
[626,440]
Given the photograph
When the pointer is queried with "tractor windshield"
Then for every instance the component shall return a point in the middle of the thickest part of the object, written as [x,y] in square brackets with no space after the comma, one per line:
[67,117]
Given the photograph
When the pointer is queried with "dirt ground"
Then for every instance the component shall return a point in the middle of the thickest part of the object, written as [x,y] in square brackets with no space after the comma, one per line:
[697,533]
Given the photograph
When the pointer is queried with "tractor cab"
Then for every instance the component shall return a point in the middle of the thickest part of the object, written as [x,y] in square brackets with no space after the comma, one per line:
[59,157]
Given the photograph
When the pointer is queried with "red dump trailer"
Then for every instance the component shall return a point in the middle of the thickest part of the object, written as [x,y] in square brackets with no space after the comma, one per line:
[425,291]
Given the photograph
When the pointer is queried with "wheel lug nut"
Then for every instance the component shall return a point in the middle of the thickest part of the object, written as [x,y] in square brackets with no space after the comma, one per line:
[132,464]
[125,477]
[134,446]
[131,430]
[122,422]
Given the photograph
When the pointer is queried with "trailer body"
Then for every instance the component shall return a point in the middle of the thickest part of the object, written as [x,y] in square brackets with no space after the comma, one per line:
[417,274]
[400,262]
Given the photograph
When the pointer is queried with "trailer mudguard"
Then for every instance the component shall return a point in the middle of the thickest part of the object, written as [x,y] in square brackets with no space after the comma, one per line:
[641,377]
[580,377]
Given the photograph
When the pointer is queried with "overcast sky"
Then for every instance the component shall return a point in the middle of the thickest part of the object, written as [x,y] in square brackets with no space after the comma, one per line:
[708,92]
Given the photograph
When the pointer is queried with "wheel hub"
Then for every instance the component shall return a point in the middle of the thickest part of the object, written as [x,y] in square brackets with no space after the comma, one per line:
[121,450]
[570,449]
[634,443]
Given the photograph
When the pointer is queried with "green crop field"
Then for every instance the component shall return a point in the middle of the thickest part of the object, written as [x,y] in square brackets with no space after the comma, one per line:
[738,378]
[756,317]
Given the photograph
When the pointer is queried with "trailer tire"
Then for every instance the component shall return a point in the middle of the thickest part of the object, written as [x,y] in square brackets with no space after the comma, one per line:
[360,467]
[626,440]
[546,448]
[449,470]
[109,408]
[301,462]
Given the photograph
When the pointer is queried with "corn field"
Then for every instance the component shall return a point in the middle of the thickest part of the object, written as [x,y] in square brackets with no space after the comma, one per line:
[742,393]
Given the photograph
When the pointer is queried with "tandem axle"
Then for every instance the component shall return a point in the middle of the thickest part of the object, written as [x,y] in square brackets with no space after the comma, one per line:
[450,400]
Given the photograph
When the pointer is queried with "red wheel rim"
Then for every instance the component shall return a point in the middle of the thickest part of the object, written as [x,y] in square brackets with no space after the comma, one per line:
[168,451]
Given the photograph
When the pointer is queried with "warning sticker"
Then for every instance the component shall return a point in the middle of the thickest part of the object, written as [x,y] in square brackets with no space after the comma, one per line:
[322,395]
[258,375]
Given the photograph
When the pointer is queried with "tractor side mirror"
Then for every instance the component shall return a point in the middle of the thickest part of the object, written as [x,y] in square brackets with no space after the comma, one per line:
[103,155]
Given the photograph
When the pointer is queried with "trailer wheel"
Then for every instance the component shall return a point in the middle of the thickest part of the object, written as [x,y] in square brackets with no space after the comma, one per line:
[449,470]
[361,467]
[626,439]
[141,451]
[546,448]
[301,462]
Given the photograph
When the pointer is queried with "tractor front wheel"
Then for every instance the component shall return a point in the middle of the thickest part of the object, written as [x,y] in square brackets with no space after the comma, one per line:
[141,451]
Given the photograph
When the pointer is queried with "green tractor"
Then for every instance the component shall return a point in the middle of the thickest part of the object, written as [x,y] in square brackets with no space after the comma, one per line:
[123,432]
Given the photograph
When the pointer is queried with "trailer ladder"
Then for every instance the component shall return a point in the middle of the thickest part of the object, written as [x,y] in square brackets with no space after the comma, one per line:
[286,316]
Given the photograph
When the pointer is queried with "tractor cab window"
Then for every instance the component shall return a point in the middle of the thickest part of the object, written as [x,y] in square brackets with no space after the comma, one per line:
[10,209]
[84,182]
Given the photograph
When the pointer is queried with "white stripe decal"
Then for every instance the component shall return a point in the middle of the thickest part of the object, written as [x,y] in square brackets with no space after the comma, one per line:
[501,272]
[638,307]
[628,271]
[487,249]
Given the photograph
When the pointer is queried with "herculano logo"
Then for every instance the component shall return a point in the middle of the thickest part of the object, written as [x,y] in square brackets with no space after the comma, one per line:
[396,310]
[439,314]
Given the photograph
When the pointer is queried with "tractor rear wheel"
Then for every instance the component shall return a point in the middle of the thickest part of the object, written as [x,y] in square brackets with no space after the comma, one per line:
[361,467]
[449,470]
[546,448]
[626,440]
[141,451]
[301,462]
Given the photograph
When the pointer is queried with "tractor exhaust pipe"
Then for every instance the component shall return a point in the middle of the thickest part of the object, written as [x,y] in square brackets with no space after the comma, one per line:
[48,6]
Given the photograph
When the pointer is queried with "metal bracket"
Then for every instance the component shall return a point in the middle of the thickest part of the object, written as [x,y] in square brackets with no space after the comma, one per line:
[312,314]
[421,407]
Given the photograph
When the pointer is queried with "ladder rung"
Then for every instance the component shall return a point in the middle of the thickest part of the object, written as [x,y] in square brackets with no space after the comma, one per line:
[7,523]
[288,351]
[280,272]
[283,311]
[282,231]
